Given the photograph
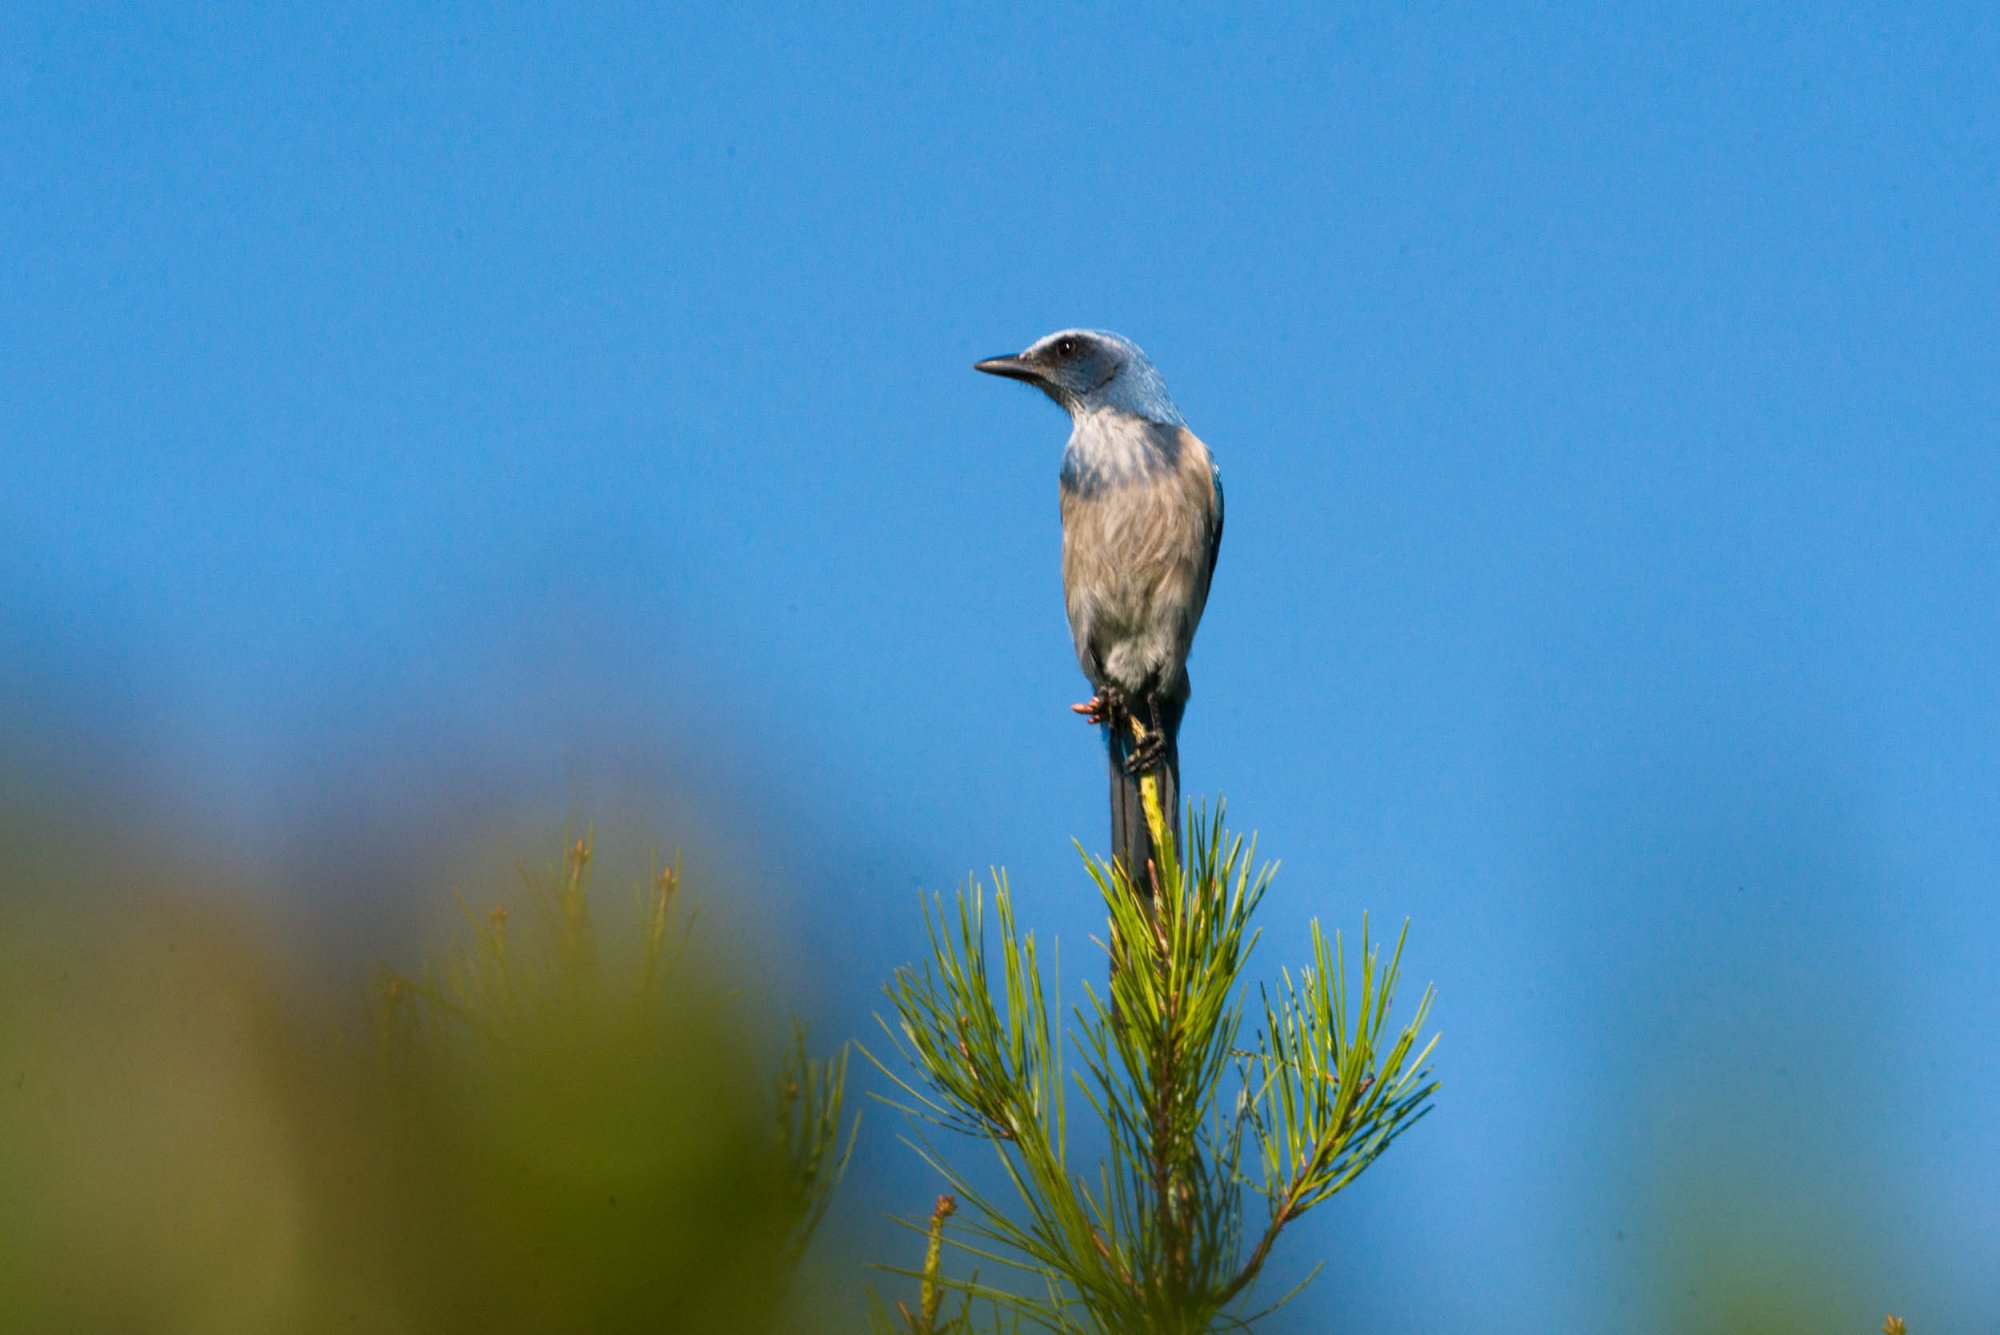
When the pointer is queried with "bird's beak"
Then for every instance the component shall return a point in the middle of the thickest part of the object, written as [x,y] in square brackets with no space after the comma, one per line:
[1014,368]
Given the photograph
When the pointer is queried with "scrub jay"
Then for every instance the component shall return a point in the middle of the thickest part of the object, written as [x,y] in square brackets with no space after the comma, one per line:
[1142,522]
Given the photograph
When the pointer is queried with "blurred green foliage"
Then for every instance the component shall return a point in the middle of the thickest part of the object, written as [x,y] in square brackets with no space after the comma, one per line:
[555,1125]
[602,1119]
[572,1115]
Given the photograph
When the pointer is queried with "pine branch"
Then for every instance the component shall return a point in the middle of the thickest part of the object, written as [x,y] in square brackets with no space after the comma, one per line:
[1154,1237]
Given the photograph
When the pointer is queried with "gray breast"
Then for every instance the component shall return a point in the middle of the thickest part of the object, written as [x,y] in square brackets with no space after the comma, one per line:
[1112,450]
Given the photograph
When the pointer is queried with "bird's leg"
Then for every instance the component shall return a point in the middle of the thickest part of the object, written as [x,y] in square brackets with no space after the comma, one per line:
[1107,706]
[1151,751]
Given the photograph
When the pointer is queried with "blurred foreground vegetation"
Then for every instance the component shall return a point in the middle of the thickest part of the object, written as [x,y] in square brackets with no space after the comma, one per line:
[568,1114]
[559,1121]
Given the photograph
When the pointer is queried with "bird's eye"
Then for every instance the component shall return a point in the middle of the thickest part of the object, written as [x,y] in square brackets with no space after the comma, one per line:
[1065,347]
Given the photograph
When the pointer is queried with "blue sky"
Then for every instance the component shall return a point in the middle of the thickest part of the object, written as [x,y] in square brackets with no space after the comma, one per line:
[554,407]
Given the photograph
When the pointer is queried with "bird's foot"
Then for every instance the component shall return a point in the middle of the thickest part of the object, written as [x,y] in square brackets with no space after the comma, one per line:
[1095,710]
[1107,706]
[1149,754]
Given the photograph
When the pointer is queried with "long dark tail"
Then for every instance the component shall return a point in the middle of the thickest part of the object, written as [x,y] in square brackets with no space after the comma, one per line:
[1131,840]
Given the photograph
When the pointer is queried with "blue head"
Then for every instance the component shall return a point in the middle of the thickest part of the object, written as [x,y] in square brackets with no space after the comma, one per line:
[1091,370]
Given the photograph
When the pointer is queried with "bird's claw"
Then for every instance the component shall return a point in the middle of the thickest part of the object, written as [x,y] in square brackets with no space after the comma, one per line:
[1107,706]
[1095,710]
[1149,754]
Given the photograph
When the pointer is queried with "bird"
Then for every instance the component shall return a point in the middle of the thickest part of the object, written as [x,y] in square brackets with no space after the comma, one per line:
[1142,511]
